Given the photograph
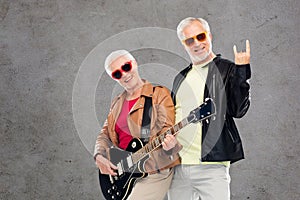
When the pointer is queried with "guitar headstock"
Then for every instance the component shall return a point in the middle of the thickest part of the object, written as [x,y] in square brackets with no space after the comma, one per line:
[204,111]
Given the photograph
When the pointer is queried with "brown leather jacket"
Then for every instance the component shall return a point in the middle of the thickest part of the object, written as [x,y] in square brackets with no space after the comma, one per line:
[163,117]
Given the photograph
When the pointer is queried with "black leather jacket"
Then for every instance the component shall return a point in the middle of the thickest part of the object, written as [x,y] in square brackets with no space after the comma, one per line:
[227,84]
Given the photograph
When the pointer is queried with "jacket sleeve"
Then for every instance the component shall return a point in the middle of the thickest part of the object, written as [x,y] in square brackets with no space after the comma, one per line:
[102,142]
[238,90]
[166,115]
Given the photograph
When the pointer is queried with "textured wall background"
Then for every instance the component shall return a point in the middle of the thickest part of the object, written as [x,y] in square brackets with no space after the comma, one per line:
[44,42]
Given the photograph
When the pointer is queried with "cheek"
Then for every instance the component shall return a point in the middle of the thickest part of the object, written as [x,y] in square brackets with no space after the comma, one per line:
[209,42]
[134,68]
[134,71]
[189,49]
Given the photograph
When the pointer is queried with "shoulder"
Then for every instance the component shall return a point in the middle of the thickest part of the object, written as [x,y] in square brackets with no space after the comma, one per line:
[226,66]
[183,72]
[223,65]
[220,61]
[160,90]
[161,93]
[117,99]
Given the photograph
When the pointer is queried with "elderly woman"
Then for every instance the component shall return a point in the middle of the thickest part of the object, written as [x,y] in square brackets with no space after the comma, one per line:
[124,122]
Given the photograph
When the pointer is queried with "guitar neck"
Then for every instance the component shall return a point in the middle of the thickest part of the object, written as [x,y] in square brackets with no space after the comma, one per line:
[204,111]
[155,143]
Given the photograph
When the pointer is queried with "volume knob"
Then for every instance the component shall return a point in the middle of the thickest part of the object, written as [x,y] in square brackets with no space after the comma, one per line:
[114,187]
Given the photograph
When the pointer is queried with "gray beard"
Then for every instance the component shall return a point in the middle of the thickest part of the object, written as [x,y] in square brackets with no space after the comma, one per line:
[197,59]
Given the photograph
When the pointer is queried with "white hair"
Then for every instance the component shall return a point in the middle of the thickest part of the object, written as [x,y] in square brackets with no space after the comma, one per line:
[114,55]
[187,21]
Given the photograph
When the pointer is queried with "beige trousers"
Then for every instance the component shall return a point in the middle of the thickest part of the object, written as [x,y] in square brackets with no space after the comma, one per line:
[200,182]
[152,187]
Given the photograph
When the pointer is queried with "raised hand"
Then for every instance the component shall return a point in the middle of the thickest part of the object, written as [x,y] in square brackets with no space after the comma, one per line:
[242,58]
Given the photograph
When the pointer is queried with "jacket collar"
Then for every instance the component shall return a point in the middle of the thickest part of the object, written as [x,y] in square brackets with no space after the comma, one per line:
[147,90]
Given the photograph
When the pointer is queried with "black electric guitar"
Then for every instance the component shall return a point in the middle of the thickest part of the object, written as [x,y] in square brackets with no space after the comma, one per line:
[130,163]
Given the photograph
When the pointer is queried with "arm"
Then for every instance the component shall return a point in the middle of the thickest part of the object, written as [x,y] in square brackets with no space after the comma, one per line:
[103,142]
[238,96]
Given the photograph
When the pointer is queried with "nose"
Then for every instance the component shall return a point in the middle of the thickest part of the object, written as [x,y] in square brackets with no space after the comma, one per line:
[125,75]
[196,42]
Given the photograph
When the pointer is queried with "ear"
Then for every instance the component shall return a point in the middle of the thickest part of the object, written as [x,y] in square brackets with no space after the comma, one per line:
[134,63]
[210,36]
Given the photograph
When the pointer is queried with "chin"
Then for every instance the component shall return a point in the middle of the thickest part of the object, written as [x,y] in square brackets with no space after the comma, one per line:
[196,58]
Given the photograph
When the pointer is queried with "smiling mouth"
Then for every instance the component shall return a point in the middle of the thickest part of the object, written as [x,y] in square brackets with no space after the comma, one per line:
[199,50]
[128,79]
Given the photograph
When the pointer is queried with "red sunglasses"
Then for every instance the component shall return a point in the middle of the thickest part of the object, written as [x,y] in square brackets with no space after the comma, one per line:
[190,41]
[117,74]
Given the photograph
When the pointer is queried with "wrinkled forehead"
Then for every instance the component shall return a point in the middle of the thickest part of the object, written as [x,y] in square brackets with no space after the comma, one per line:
[192,29]
[118,62]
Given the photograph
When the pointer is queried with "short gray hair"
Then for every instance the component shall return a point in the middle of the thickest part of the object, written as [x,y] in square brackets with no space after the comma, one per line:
[114,55]
[187,21]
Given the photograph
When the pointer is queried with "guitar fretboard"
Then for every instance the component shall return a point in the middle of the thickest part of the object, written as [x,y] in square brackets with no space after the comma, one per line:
[204,111]
[155,143]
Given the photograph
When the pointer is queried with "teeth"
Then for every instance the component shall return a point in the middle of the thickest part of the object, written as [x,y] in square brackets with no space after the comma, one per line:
[198,50]
[128,79]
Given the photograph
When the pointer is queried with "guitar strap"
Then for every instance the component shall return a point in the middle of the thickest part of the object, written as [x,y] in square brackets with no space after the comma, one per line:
[146,121]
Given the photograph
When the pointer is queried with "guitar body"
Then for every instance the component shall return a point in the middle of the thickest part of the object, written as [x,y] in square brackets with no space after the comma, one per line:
[119,187]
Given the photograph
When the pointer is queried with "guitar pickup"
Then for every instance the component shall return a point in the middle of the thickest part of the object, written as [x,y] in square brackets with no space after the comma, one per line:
[120,169]
[129,162]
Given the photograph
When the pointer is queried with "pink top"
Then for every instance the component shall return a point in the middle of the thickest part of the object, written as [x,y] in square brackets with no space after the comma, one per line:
[121,127]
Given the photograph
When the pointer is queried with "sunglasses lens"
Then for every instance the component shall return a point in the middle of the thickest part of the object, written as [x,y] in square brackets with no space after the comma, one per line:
[189,41]
[116,74]
[126,67]
[201,37]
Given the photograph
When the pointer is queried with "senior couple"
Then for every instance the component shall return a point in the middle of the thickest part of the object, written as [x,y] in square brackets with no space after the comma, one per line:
[195,163]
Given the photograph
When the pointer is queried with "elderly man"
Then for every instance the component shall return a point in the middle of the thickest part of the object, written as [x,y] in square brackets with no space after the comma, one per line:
[208,147]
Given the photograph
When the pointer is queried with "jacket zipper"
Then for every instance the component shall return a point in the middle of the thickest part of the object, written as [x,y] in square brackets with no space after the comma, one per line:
[214,86]
[231,136]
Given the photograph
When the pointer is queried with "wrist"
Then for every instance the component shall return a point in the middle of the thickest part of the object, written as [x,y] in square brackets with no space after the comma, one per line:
[96,155]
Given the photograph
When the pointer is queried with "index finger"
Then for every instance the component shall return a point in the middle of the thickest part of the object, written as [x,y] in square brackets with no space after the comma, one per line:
[112,165]
[247,46]
[169,135]
[112,169]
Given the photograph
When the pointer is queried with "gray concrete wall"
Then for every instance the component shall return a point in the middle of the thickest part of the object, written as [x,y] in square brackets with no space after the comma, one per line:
[46,153]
